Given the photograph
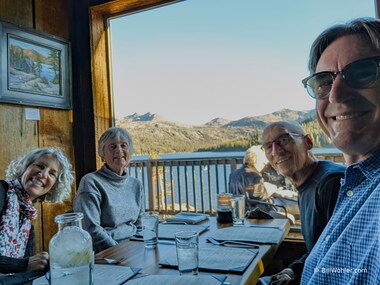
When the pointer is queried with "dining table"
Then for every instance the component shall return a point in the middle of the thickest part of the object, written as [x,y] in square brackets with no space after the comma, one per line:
[132,252]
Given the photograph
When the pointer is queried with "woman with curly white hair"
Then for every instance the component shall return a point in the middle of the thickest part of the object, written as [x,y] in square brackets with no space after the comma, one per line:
[43,173]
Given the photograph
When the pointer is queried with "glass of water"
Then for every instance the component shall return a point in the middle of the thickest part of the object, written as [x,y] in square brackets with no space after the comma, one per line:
[238,209]
[150,229]
[187,247]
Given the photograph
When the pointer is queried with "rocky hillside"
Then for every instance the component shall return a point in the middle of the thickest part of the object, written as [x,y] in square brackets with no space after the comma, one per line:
[153,134]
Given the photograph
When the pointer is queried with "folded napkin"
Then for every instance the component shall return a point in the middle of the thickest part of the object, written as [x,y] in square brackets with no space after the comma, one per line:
[214,258]
[189,218]
[251,233]
[177,280]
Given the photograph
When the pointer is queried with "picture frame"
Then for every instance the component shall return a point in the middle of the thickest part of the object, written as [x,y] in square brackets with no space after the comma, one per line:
[34,68]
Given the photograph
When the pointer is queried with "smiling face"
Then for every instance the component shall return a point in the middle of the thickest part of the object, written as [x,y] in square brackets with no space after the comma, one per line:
[350,117]
[291,159]
[116,155]
[40,176]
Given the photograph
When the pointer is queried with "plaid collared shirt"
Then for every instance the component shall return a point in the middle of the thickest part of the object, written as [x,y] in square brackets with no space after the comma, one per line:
[348,250]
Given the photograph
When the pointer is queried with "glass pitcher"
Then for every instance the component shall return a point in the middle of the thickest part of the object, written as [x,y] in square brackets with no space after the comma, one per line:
[71,252]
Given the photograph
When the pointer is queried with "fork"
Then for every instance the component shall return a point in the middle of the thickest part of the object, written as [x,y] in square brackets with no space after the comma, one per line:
[231,243]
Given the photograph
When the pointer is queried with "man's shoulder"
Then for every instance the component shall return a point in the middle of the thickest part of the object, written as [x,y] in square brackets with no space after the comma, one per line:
[326,171]
[326,168]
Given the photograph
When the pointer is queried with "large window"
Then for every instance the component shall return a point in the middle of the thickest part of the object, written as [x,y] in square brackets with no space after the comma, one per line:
[196,73]
[216,62]
[196,60]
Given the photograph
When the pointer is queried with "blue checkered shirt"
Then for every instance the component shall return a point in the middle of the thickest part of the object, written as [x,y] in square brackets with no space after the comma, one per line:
[348,250]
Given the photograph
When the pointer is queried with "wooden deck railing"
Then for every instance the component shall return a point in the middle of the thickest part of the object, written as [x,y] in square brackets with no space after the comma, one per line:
[190,184]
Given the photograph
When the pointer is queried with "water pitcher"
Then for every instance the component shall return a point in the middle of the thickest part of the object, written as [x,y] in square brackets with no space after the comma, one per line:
[71,252]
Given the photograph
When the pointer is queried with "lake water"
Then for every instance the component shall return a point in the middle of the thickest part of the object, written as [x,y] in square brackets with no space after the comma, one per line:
[47,72]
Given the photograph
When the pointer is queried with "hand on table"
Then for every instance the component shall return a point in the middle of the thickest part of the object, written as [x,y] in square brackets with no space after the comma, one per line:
[39,262]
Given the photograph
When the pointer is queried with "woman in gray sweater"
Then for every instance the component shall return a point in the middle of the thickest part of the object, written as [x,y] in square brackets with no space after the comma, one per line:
[111,201]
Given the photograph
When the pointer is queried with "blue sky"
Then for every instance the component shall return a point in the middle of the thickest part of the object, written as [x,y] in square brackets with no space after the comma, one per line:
[197,60]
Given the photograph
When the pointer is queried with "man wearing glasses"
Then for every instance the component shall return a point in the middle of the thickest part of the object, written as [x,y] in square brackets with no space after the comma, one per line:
[288,149]
[345,81]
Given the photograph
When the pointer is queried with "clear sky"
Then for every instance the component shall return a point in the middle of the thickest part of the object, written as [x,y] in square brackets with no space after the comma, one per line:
[197,60]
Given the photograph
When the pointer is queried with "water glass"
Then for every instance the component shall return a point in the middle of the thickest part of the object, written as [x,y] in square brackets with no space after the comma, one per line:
[187,247]
[224,211]
[150,229]
[238,209]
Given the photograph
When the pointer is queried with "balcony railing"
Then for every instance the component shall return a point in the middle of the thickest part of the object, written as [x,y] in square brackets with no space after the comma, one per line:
[177,183]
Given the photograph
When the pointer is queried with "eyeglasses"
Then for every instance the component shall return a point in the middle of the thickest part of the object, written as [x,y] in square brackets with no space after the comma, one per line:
[360,74]
[280,141]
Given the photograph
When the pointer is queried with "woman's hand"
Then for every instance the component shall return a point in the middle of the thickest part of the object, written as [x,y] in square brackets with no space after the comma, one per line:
[39,262]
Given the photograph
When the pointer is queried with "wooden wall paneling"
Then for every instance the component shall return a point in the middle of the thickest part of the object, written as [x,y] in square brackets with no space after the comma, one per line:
[83,113]
[17,135]
[55,130]
[19,12]
[100,75]
[38,230]
[53,17]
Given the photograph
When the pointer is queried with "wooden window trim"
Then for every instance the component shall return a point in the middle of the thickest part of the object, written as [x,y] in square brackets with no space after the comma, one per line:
[100,59]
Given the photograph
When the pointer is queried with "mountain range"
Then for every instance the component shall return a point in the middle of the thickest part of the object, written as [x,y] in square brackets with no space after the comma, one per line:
[262,121]
[154,134]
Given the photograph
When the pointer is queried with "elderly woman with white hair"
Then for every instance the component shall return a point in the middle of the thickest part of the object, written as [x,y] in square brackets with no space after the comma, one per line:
[112,202]
[45,174]
[248,181]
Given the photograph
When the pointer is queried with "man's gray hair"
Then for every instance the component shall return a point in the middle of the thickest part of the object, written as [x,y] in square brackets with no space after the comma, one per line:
[291,126]
[367,28]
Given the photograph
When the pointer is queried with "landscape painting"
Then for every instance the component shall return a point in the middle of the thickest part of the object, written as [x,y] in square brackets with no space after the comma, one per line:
[35,68]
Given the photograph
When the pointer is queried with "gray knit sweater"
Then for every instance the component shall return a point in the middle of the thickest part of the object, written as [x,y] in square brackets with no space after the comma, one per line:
[112,206]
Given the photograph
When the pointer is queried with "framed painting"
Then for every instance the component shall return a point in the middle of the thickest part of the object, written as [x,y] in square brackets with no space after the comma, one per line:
[35,68]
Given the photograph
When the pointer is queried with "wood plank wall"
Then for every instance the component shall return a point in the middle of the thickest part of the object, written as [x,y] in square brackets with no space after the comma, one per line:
[55,126]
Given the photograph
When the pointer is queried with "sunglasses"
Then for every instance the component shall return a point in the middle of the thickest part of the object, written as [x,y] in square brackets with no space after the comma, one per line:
[280,141]
[360,74]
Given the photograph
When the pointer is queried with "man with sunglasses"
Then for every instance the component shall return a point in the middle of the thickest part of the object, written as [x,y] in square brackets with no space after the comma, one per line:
[345,81]
[288,149]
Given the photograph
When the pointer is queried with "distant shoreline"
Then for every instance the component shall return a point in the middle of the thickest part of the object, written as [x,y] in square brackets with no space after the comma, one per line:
[211,154]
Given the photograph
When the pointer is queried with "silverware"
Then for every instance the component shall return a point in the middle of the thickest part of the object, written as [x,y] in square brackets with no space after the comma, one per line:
[232,243]
[109,260]
[160,241]
[257,226]
[175,223]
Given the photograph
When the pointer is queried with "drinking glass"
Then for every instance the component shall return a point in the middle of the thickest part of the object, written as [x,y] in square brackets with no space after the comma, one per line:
[238,209]
[187,247]
[150,229]
[223,211]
